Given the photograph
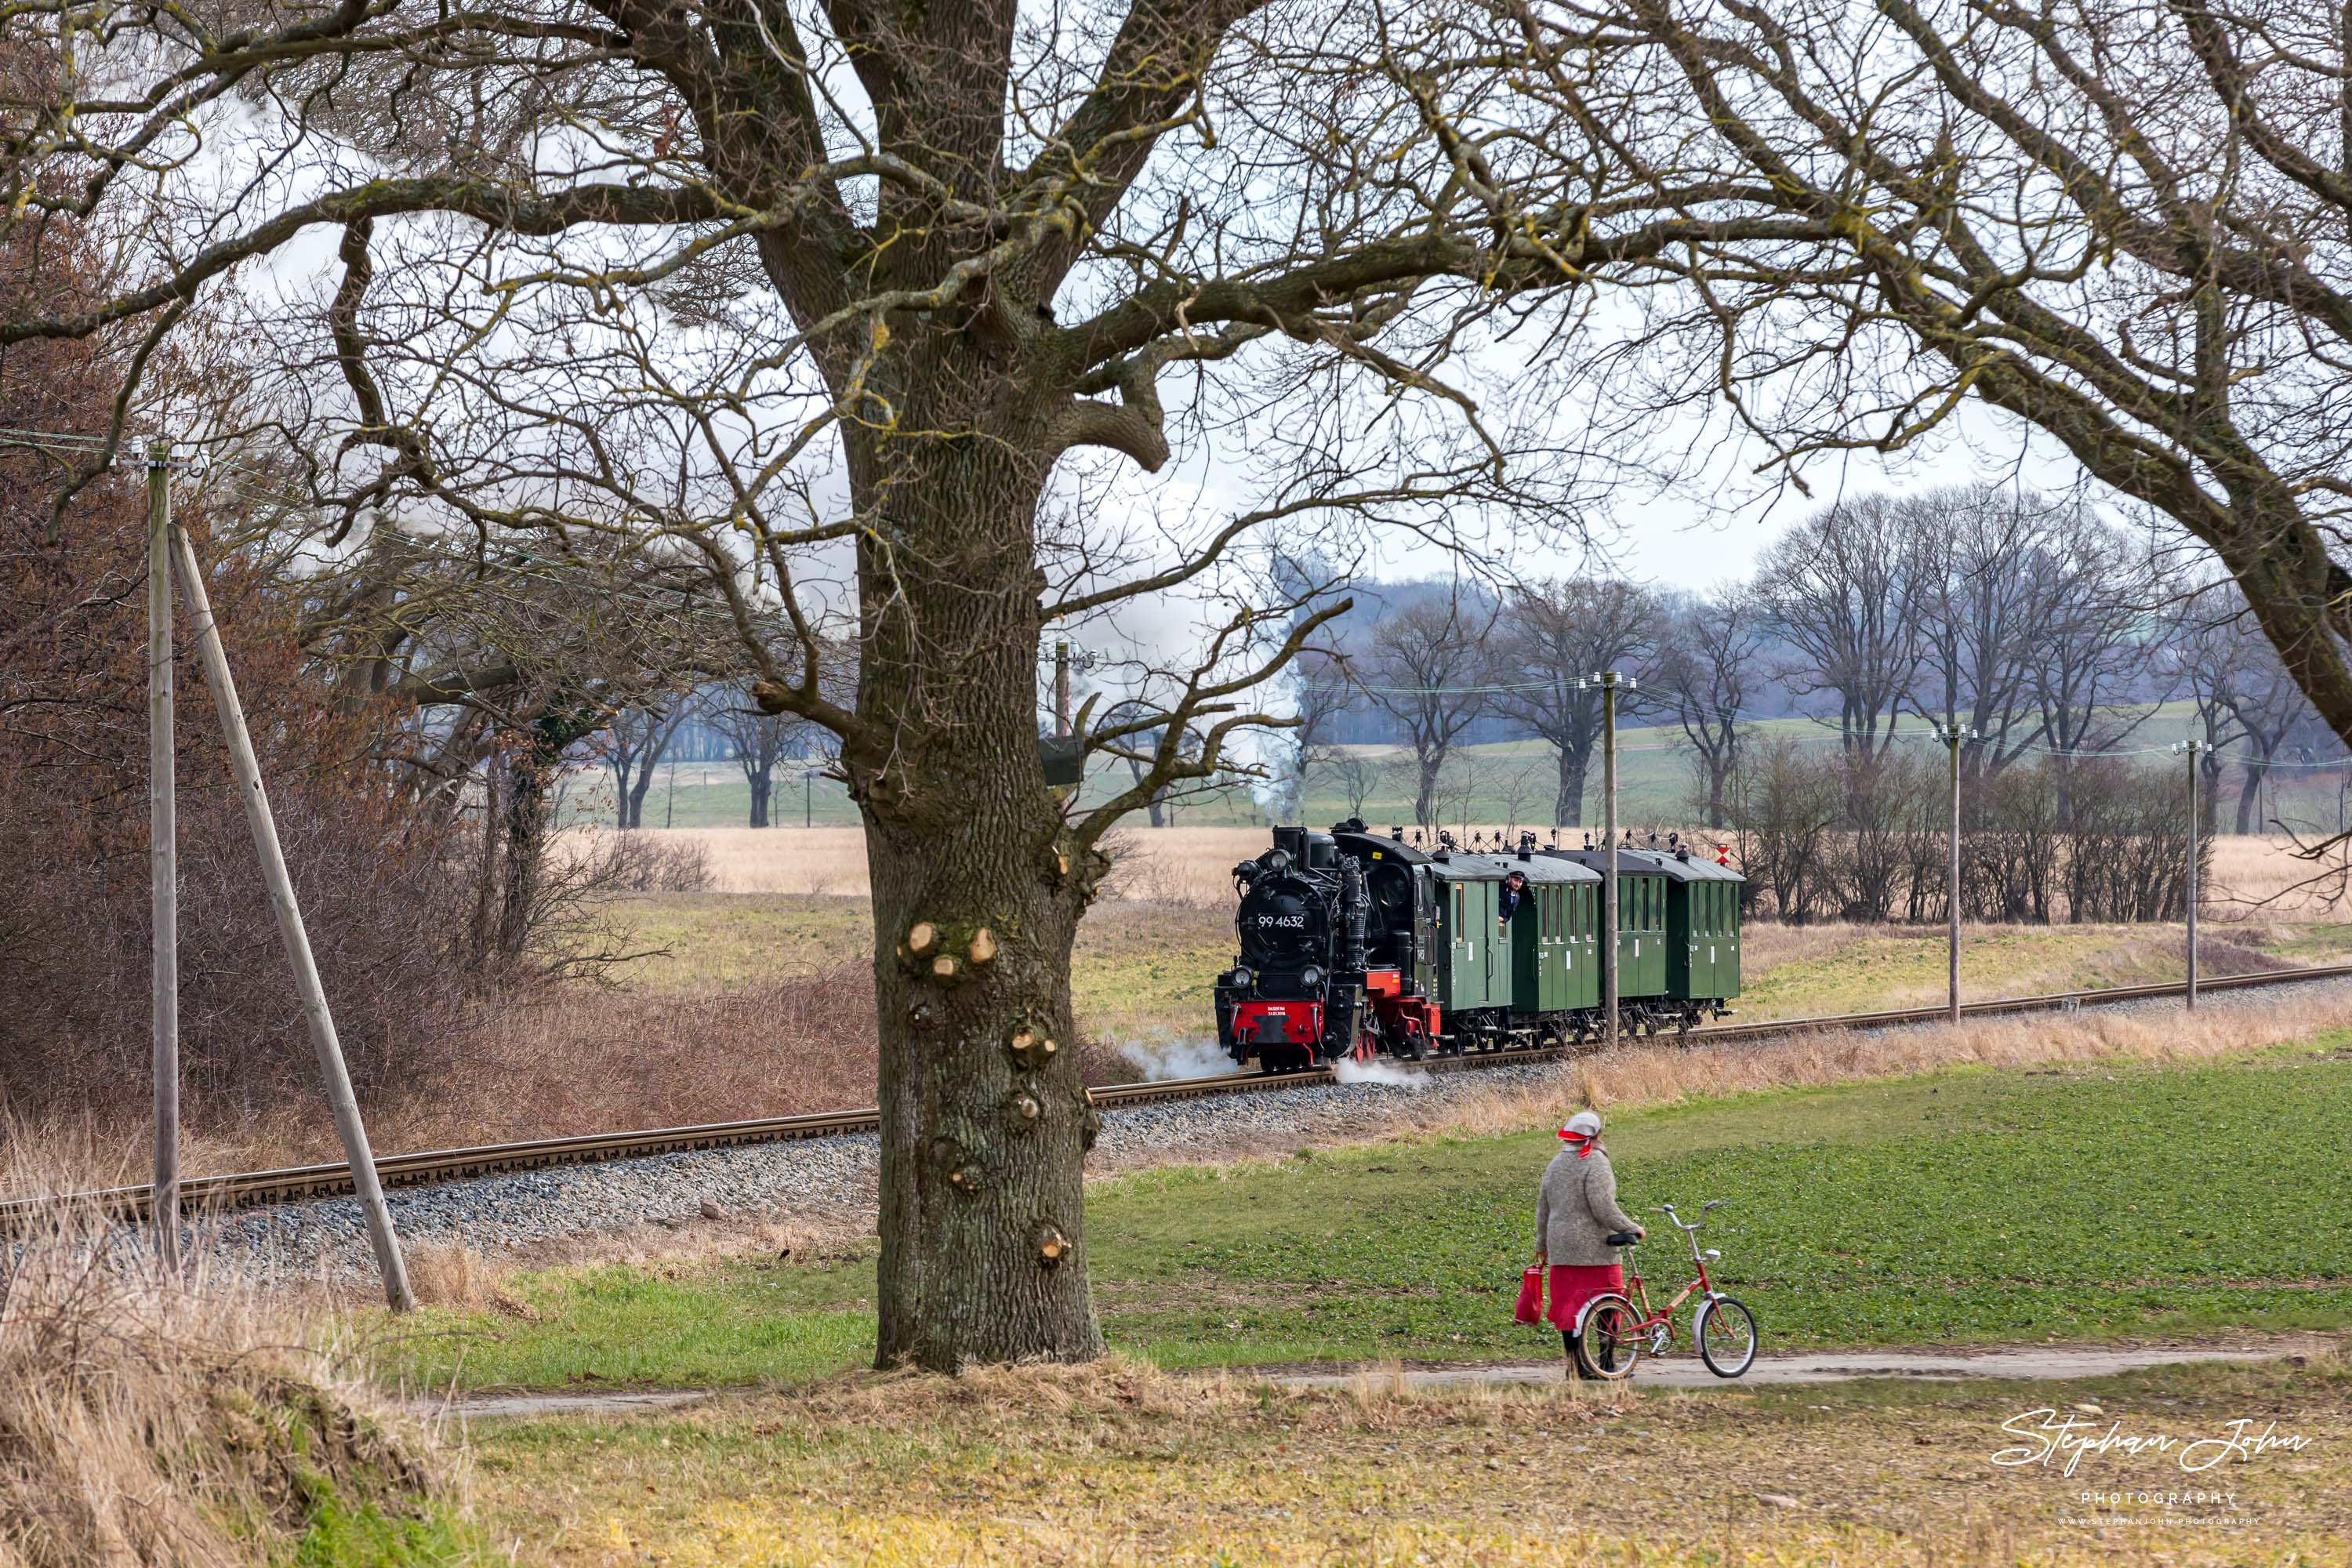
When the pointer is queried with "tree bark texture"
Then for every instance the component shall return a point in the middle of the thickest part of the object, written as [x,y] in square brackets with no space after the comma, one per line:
[1424,794]
[1568,807]
[977,896]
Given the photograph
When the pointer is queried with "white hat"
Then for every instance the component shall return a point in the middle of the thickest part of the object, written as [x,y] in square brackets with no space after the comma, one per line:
[1584,1124]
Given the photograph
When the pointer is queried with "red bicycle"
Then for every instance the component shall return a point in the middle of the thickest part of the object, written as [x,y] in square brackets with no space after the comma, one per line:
[1611,1331]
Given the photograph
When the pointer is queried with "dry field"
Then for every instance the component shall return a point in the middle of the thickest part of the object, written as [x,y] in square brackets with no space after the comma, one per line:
[1118,1465]
[2252,876]
[756,998]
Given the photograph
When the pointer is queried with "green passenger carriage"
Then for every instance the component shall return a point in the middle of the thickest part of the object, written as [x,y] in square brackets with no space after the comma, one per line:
[1357,943]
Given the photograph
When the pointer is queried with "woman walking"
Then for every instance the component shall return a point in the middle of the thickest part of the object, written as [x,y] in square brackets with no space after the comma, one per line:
[1576,1212]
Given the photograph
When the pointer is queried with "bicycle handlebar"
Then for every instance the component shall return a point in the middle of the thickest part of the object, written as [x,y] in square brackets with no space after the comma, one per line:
[1677,1220]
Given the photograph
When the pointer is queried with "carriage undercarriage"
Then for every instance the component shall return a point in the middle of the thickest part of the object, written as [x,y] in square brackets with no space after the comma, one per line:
[1493,1032]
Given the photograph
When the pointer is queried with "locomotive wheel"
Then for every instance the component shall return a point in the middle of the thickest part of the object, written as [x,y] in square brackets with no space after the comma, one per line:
[1414,1046]
[1367,1046]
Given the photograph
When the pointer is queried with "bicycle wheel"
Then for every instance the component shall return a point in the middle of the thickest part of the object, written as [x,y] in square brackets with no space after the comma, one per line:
[1726,1332]
[1607,1343]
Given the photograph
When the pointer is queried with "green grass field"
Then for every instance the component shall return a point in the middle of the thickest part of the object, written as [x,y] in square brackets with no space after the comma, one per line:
[1504,782]
[2081,1203]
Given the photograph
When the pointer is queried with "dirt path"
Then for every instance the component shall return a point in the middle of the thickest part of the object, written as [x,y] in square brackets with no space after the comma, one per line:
[2033,1364]
[2026,1362]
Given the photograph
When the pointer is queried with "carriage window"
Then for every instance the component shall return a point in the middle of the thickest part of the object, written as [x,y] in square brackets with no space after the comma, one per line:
[1459,893]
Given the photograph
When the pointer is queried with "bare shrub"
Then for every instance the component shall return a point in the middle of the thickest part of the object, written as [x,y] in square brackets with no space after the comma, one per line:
[578,1060]
[1862,837]
[381,887]
[648,863]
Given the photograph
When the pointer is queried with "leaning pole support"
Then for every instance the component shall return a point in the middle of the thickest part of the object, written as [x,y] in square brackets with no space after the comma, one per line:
[247,770]
[163,861]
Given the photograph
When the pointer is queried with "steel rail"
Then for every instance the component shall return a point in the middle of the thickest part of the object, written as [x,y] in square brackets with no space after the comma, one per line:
[304,1184]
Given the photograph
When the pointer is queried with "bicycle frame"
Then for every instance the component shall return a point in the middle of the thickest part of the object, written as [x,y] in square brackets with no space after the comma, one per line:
[1664,1319]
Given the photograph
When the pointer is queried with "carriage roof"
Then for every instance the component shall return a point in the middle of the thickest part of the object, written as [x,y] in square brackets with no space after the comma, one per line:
[1535,867]
[1630,862]
[1678,868]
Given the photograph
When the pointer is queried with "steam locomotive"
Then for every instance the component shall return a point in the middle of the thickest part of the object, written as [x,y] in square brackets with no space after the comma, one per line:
[1354,945]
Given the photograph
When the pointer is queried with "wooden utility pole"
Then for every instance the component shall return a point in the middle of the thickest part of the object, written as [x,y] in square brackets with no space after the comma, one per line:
[163,857]
[1952,735]
[1610,944]
[2189,997]
[248,769]
[1061,688]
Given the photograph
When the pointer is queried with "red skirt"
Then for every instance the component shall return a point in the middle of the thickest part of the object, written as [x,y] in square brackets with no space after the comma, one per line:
[1572,1285]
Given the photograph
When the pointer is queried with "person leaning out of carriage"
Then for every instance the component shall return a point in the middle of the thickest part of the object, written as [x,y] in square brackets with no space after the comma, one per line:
[1515,888]
[1576,1212]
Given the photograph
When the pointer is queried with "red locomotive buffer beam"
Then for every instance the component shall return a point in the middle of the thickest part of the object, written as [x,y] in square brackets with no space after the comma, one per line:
[1278,1023]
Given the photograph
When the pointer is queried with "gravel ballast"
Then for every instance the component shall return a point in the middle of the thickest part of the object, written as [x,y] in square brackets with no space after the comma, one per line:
[830,1182]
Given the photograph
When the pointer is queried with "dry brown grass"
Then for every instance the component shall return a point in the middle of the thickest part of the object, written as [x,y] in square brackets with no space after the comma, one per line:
[1653,1074]
[152,1421]
[808,860]
[1168,865]
[1190,865]
[2259,877]
[1119,1466]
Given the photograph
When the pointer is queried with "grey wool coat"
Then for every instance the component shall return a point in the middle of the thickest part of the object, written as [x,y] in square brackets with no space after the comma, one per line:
[1576,1210]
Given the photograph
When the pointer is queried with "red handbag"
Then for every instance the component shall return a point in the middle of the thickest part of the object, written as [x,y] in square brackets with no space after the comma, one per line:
[1530,1307]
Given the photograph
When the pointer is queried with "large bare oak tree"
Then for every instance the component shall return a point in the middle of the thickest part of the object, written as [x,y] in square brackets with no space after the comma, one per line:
[826,300]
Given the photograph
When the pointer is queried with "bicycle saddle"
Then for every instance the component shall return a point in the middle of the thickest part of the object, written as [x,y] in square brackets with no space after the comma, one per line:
[1623,1238]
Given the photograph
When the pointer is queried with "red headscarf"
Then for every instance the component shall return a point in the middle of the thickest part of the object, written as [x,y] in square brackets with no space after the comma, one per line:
[1579,1142]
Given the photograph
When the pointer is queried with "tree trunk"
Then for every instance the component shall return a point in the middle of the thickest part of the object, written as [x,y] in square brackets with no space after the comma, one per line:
[761,783]
[2249,794]
[637,791]
[524,846]
[1567,806]
[1424,798]
[977,894]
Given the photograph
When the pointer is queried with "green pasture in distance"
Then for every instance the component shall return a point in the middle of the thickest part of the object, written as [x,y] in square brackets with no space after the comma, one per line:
[1504,782]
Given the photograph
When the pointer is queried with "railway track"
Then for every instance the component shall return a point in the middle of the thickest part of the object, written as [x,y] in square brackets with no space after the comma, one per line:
[254,1189]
